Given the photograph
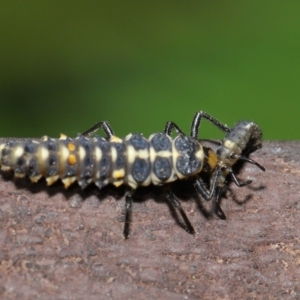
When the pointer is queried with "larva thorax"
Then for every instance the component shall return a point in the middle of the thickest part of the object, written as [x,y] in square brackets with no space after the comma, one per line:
[133,161]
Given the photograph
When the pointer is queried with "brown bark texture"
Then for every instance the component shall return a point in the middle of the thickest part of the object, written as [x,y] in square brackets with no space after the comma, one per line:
[67,244]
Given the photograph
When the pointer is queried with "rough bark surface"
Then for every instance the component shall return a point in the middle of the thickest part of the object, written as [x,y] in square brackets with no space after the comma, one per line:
[57,244]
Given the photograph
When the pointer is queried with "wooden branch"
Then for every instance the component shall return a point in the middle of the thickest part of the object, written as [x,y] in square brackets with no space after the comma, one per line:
[68,244]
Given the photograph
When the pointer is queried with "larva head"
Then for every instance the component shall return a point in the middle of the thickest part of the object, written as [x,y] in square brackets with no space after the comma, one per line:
[245,134]
[245,137]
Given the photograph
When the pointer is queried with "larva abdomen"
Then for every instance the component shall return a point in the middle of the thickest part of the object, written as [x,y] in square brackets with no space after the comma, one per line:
[81,160]
[133,161]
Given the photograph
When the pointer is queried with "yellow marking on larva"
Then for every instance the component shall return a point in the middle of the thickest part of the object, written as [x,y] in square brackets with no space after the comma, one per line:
[118,174]
[200,154]
[19,175]
[131,154]
[5,168]
[72,159]
[114,154]
[98,154]
[118,183]
[153,154]
[71,146]
[18,151]
[64,155]
[43,154]
[115,139]
[62,136]
[45,138]
[165,153]
[35,178]
[68,181]
[2,146]
[144,154]
[131,182]
[212,159]
[81,182]
[229,144]
[232,146]
[81,153]
[50,180]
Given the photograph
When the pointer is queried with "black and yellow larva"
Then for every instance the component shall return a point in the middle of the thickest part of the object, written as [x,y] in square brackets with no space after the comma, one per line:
[133,161]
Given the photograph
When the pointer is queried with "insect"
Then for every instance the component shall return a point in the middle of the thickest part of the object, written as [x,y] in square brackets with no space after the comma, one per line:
[133,161]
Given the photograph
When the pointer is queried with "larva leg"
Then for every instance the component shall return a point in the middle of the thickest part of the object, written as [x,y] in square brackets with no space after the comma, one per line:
[202,189]
[128,205]
[237,182]
[175,202]
[170,126]
[208,194]
[219,211]
[251,161]
[104,125]
[197,120]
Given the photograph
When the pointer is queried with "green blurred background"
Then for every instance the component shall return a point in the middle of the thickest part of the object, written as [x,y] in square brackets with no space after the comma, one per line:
[64,65]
